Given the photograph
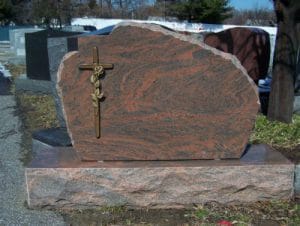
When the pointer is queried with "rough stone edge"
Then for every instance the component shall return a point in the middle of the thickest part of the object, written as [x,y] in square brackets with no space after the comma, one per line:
[59,91]
[272,164]
[289,193]
[193,40]
[158,28]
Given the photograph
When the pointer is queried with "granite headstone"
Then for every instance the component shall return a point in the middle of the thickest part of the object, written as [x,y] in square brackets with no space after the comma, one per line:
[250,45]
[17,39]
[165,98]
[37,61]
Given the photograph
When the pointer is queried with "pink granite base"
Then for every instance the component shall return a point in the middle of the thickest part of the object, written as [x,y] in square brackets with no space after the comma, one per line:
[57,179]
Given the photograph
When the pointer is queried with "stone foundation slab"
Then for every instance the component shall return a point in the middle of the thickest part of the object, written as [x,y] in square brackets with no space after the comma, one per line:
[58,179]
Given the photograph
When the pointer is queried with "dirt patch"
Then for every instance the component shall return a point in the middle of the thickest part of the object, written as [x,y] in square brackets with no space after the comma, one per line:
[129,217]
[260,213]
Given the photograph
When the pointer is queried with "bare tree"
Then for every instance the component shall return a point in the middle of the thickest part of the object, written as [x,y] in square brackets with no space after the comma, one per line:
[285,61]
[255,17]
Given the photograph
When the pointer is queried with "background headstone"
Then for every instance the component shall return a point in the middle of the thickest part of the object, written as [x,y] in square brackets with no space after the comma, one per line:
[57,48]
[4,33]
[37,61]
[250,46]
[165,98]
[17,39]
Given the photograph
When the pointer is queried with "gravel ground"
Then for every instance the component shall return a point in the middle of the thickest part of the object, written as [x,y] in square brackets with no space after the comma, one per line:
[13,210]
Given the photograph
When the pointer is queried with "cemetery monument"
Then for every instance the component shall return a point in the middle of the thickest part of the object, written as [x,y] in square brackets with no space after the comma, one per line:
[157,120]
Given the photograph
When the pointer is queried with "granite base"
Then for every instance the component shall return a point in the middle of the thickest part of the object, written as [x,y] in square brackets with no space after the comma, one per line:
[58,179]
[49,138]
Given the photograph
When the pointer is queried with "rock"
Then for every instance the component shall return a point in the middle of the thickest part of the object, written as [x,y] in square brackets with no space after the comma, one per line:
[57,179]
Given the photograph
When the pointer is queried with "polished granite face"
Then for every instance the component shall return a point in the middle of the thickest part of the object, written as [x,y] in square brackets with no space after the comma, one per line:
[67,157]
[168,97]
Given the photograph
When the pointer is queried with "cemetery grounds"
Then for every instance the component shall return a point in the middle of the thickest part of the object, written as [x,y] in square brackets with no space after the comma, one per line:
[38,112]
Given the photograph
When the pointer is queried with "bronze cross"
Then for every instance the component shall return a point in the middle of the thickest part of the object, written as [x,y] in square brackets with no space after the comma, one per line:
[97,95]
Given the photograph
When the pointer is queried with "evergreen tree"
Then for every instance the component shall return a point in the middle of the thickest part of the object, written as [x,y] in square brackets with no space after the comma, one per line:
[45,11]
[52,13]
[205,11]
[6,11]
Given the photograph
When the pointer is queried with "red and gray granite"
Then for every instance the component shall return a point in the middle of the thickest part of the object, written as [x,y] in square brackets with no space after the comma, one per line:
[57,178]
[168,97]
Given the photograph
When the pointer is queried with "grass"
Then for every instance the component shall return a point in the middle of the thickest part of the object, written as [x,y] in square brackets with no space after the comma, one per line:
[207,215]
[277,134]
[16,69]
[39,111]
[259,213]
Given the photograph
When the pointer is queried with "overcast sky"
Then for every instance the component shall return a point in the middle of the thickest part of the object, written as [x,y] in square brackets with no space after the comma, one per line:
[251,4]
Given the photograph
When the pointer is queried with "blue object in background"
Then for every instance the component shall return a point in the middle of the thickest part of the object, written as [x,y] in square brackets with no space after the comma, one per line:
[264,89]
[264,85]
[5,83]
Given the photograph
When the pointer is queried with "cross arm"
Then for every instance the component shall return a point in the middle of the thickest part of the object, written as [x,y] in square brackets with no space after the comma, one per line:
[92,66]
[86,66]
